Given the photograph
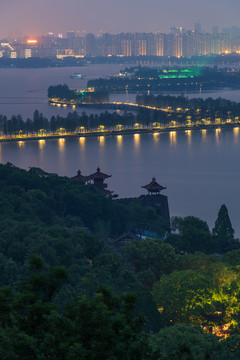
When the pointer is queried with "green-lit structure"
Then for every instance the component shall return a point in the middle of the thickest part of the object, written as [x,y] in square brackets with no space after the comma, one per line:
[179,73]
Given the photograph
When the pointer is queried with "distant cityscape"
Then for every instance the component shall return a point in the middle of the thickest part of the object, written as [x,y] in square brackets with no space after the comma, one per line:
[179,42]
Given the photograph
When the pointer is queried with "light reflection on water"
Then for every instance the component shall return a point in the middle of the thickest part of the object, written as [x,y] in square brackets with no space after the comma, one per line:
[156,137]
[119,142]
[204,135]
[137,139]
[61,144]
[101,140]
[189,136]
[41,144]
[173,137]
[82,142]
[21,144]
[236,134]
[199,178]
[217,135]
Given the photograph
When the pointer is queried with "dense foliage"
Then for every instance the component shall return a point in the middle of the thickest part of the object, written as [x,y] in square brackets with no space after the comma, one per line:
[72,123]
[63,93]
[58,262]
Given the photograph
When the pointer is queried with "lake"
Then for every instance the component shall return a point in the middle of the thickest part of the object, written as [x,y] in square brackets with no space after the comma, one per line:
[24,90]
[200,169]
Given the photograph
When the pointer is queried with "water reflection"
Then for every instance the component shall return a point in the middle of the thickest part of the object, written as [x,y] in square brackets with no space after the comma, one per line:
[21,144]
[173,137]
[82,142]
[189,136]
[204,135]
[119,141]
[136,139]
[217,135]
[236,134]
[101,140]
[61,144]
[156,137]
[41,144]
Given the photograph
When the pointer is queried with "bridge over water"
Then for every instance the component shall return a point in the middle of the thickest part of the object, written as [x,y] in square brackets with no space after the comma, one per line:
[109,105]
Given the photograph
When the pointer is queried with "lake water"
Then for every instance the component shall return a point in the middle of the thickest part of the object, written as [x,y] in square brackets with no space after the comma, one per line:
[24,90]
[200,169]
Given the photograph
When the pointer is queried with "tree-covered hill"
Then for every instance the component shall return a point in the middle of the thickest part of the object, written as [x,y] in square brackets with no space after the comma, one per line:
[67,293]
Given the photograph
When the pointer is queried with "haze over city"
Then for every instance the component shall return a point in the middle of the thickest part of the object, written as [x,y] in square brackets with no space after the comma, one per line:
[28,17]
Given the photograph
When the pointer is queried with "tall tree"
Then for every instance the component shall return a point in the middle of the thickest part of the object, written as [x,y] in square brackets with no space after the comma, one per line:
[223,232]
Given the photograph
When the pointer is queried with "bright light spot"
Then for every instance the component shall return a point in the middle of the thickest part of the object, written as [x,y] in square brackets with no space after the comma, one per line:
[61,144]
[41,143]
[32,41]
[82,141]
[101,140]
[21,144]
[236,134]
[173,137]
[204,135]
[119,141]
[136,138]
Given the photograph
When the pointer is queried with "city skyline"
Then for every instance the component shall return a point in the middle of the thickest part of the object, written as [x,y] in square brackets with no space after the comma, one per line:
[36,17]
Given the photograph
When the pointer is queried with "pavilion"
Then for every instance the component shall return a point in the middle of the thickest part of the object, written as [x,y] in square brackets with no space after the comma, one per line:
[153,187]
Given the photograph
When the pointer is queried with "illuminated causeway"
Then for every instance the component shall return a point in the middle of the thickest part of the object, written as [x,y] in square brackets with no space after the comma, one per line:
[119,130]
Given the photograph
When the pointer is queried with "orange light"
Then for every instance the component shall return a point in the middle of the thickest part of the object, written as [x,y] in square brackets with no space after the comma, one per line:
[32,41]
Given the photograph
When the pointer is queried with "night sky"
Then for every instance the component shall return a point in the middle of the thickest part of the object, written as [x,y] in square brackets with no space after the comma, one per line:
[33,17]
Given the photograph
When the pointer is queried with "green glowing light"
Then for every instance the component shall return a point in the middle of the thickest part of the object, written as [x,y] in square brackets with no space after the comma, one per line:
[178,73]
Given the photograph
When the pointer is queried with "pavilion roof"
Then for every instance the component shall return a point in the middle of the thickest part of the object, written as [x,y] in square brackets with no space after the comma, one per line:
[99,175]
[79,176]
[153,186]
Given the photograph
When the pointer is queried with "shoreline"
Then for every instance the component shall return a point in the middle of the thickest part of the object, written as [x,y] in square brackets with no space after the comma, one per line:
[120,132]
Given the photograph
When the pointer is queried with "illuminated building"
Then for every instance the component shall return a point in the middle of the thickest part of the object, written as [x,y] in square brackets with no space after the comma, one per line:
[159,44]
[178,46]
[141,47]
[178,43]
[28,53]
[13,55]
[179,73]
[126,47]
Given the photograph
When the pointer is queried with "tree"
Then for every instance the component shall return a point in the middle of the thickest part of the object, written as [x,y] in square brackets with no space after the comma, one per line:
[103,327]
[223,232]
[184,297]
[151,258]
[189,342]
[194,235]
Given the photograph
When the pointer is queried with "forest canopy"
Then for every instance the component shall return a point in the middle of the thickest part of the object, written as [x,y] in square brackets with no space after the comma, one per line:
[67,292]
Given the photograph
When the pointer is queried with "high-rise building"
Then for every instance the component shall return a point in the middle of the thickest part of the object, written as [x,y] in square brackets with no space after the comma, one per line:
[178,46]
[90,45]
[169,44]
[215,30]
[159,44]
[198,27]
[177,43]
[126,47]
